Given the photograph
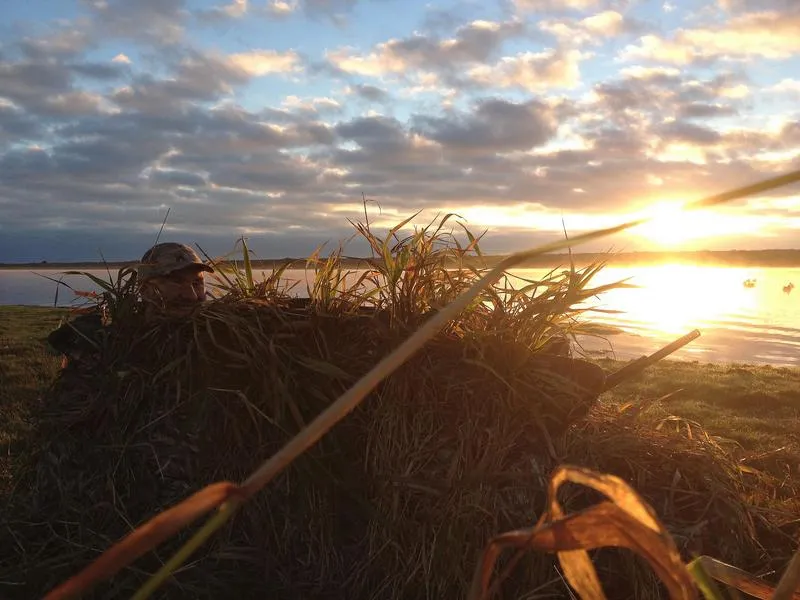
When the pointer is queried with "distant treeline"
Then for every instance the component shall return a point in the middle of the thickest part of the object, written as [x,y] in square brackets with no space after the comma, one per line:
[766,258]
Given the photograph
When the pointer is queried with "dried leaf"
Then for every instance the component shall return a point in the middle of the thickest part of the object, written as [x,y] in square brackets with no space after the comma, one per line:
[741,580]
[625,522]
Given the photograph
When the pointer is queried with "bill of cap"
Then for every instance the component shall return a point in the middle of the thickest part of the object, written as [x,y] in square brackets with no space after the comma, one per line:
[170,257]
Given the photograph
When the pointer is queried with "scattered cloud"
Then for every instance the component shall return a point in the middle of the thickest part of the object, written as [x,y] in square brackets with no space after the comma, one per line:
[493,125]
[368,92]
[590,30]
[738,6]
[262,62]
[63,42]
[530,71]
[555,5]
[282,7]
[787,86]
[473,43]
[702,110]
[236,9]
[200,77]
[109,118]
[312,105]
[158,22]
[769,35]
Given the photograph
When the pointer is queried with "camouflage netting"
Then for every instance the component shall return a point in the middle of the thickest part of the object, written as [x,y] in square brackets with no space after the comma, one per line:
[395,502]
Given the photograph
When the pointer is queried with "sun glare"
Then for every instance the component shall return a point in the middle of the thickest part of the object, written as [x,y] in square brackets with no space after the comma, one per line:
[673,298]
[671,226]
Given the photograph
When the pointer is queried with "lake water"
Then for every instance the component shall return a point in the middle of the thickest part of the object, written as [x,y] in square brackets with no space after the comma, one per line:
[738,324]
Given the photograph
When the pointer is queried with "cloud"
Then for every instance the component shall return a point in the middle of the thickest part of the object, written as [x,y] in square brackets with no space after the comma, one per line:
[201,77]
[312,105]
[555,5]
[100,71]
[94,148]
[236,9]
[530,71]
[688,133]
[262,62]
[368,92]
[27,82]
[76,103]
[158,22]
[701,110]
[282,8]
[175,177]
[226,170]
[661,93]
[64,42]
[16,125]
[327,7]
[494,125]
[738,6]
[47,87]
[769,35]
[590,30]
[374,133]
[787,86]
[473,43]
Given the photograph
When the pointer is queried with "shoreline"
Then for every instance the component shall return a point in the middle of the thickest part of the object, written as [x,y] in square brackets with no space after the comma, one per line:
[787,258]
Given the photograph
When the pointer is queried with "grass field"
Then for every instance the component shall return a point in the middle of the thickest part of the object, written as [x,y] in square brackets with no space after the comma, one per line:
[755,408]
[26,368]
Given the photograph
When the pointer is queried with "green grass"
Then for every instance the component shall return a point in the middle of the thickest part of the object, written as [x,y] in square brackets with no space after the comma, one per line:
[758,407]
[26,368]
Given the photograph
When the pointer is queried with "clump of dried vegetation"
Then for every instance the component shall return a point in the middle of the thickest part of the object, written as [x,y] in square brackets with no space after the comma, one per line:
[400,498]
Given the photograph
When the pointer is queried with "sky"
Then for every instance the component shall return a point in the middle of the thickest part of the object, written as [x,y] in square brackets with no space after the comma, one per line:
[274,119]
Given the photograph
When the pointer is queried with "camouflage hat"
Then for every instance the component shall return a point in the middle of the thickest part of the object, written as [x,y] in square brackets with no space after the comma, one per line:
[166,258]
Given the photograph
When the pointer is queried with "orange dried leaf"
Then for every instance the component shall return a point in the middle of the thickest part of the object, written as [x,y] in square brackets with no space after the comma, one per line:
[624,522]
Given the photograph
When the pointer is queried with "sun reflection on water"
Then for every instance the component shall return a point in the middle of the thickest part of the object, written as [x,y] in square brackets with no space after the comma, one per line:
[738,323]
[674,299]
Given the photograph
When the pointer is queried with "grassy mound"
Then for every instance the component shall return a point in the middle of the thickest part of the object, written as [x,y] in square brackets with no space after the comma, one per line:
[399,499]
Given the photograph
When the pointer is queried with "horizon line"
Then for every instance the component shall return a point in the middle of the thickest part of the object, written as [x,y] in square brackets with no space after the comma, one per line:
[787,252]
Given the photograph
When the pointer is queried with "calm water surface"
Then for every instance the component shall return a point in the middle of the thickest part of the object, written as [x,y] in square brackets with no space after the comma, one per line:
[738,324]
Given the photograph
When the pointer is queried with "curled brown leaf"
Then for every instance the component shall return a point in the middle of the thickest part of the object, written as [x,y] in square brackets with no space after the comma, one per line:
[626,521]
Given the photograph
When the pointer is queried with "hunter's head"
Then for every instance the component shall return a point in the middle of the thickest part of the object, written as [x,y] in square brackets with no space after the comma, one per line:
[171,276]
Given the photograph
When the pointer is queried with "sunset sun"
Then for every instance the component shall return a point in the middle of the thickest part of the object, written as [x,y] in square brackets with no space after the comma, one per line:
[670,225]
